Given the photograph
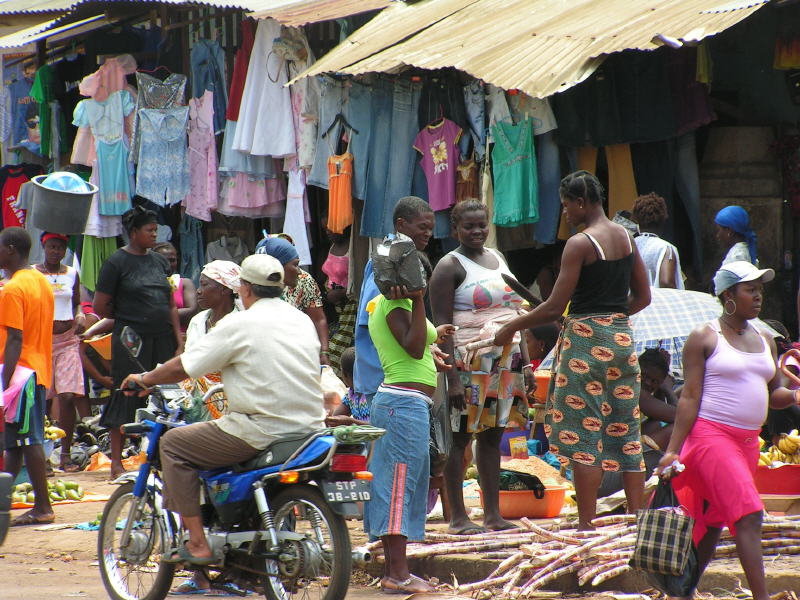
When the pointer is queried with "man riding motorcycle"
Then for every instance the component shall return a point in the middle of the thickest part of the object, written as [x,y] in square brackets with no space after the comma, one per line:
[269,358]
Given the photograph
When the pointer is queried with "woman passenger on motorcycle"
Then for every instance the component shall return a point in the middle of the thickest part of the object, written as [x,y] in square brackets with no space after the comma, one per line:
[400,461]
[249,348]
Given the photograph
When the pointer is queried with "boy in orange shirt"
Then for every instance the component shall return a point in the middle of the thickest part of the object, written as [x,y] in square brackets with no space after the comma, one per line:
[26,323]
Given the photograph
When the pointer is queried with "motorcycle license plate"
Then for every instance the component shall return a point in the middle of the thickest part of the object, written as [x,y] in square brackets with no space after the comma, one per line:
[356,490]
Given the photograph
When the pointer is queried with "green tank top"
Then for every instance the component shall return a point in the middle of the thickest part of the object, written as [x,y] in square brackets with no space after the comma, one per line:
[516,185]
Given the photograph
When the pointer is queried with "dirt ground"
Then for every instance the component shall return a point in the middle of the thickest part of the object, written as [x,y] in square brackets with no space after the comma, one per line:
[53,562]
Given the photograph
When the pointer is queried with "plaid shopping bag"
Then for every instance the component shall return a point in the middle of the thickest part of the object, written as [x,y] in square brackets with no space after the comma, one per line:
[664,534]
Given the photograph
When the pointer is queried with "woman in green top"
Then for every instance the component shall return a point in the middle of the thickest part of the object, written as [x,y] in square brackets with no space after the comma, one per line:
[400,460]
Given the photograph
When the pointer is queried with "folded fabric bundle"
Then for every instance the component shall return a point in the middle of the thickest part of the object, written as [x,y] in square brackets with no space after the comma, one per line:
[19,397]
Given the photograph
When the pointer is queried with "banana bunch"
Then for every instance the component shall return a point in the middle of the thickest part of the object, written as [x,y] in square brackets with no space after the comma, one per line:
[786,451]
[52,432]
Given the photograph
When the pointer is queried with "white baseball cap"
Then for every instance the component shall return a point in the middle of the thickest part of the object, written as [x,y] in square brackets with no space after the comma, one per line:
[260,269]
[738,272]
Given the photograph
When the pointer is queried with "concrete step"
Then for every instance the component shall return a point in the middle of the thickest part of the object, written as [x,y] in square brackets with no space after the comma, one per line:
[740,187]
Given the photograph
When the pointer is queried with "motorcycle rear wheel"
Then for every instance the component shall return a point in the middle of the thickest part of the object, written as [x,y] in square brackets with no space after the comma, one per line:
[296,509]
[136,573]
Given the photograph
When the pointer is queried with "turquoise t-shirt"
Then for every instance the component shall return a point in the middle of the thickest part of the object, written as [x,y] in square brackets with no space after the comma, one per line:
[398,365]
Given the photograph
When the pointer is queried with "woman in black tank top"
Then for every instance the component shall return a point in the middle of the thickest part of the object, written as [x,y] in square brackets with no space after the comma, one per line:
[593,411]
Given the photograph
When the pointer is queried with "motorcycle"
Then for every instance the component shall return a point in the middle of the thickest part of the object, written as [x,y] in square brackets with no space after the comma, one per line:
[275,523]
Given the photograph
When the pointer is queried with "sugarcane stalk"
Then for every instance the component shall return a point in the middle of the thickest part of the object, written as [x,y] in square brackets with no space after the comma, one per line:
[519,573]
[613,520]
[611,574]
[504,566]
[484,583]
[539,581]
[549,534]
[433,536]
[594,570]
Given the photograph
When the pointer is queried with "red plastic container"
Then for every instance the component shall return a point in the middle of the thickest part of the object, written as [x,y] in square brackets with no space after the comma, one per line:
[516,504]
[783,480]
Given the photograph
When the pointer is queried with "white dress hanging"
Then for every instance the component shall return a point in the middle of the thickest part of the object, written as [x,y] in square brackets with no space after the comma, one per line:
[265,126]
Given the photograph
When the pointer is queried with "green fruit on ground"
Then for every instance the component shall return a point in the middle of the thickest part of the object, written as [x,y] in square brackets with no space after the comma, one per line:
[30,498]
[70,485]
[60,487]
[72,495]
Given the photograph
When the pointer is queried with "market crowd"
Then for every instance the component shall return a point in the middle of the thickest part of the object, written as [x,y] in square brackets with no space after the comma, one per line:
[467,336]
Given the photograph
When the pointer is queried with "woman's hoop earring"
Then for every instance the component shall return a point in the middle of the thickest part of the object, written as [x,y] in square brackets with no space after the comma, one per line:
[725,306]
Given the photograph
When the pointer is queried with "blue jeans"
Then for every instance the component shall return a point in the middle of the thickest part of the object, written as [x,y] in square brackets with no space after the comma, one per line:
[475,102]
[548,167]
[208,73]
[392,156]
[358,114]
[330,104]
[400,466]
[193,250]
[375,212]
[687,184]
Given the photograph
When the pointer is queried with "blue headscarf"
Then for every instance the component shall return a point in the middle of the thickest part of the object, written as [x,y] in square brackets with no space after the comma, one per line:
[737,219]
[279,248]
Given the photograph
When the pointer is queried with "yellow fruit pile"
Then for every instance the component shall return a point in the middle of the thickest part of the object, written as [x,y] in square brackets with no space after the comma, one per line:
[52,432]
[786,451]
[57,490]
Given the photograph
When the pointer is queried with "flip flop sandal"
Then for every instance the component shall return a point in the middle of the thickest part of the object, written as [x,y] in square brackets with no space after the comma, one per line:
[182,555]
[188,588]
[402,587]
[227,590]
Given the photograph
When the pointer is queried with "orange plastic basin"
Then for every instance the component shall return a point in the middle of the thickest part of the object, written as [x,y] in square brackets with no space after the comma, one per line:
[516,504]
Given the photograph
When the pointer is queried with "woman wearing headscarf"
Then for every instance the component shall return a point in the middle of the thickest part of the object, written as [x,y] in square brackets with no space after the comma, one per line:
[301,291]
[133,289]
[735,234]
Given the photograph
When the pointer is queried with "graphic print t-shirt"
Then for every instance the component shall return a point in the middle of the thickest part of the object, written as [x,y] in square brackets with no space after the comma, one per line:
[437,144]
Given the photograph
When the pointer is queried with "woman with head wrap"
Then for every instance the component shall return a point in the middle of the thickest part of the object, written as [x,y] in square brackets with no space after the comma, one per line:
[301,291]
[133,289]
[735,234]
[216,297]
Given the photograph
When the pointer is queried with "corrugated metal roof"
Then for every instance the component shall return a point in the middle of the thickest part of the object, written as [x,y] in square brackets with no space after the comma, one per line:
[538,46]
[9,7]
[299,12]
[43,30]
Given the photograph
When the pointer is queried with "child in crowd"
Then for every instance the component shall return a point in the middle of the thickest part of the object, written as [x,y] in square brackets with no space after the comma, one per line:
[354,408]
[541,340]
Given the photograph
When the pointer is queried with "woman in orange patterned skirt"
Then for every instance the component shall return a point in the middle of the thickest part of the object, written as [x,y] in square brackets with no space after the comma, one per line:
[593,416]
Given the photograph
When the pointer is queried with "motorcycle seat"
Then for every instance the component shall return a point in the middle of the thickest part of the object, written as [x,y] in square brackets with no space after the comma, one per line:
[274,454]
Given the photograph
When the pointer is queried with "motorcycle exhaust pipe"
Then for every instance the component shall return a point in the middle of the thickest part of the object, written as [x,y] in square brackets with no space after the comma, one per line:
[361,556]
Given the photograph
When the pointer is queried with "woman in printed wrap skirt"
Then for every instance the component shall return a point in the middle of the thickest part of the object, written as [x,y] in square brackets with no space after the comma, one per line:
[593,410]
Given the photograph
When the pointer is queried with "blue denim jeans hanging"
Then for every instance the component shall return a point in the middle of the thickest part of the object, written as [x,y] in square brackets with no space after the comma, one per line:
[208,73]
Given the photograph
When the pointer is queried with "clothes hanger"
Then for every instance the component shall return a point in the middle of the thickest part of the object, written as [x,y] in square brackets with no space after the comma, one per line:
[167,69]
[339,118]
[437,122]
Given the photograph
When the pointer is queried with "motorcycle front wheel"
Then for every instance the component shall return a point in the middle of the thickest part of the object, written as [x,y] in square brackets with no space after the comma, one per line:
[316,567]
[133,572]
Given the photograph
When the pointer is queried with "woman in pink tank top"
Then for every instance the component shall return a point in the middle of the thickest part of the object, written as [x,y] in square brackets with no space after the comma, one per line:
[731,379]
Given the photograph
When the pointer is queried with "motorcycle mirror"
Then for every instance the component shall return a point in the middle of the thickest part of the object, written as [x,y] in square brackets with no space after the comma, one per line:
[132,341]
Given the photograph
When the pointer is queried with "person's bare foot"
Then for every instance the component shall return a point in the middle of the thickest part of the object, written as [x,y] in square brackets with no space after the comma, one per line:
[200,550]
[117,470]
[412,585]
[498,524]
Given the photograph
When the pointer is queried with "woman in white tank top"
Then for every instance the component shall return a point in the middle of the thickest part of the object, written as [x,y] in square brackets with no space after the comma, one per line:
[67,390]
[486,390]
[731,378]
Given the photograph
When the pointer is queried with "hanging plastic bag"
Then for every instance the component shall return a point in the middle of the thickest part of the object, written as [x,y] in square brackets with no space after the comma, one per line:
[395,262]
[441,438]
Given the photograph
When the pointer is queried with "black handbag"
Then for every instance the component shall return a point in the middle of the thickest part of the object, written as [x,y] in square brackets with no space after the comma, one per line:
[441,438]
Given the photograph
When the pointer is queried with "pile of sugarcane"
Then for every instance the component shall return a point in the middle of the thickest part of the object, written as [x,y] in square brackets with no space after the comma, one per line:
[534,556]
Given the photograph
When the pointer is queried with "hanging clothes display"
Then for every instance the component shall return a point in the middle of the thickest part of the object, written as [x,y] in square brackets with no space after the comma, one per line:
[516,199]
[208,73]
[255,198]
[438,146]
[294,224]
[151,92]
[203,180]
[106,119]
[109,78]
[43,93]
[265,115]
[304,93]
[99,225]
[12,177]
[163,172]
[467,180]
[340,197]
[227,247]
[190,233]
[95,252]
[22,109]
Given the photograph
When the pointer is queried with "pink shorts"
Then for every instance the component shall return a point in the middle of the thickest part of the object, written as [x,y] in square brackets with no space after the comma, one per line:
[720,464]
[67,366]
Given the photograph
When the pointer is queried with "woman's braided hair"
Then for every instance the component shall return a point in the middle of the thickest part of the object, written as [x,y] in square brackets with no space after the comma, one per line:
[582,184]
[460,209]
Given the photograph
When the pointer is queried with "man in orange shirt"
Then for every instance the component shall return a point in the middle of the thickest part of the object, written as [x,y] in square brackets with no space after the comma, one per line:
[26,324]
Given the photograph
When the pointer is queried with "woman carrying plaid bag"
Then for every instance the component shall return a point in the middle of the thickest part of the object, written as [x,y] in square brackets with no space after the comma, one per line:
[593,399]
[730,380]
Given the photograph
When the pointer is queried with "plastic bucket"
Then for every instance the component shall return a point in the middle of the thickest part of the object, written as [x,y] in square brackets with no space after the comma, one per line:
[102,345]
[60,211]
[523,503]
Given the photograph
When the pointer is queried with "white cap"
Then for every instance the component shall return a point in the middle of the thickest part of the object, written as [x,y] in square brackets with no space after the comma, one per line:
[260,269]
[738,272]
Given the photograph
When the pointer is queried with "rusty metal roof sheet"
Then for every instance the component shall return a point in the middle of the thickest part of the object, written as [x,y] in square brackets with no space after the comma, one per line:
[9,7]
[299,12]
[46,30]
[538,46]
